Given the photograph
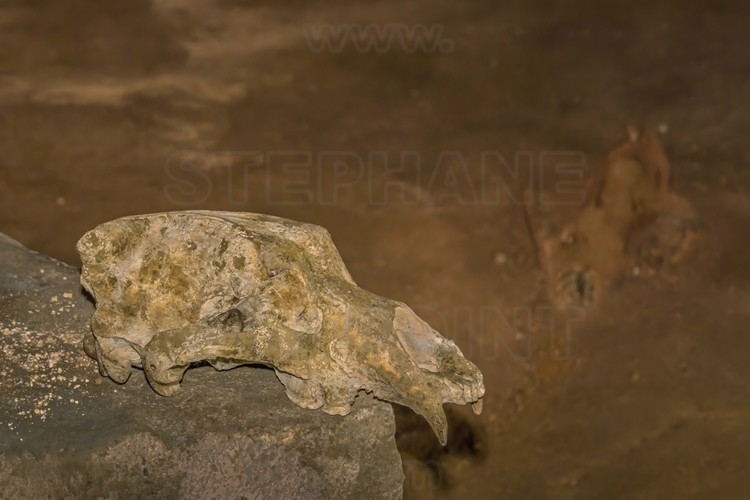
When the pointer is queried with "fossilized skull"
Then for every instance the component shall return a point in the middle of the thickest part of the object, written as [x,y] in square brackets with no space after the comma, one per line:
[632,211]
[173,289]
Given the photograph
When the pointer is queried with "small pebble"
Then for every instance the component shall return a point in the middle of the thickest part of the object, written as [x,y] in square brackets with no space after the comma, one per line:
[500,258]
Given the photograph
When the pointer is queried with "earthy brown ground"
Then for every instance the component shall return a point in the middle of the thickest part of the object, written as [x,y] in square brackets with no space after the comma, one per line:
[652,398]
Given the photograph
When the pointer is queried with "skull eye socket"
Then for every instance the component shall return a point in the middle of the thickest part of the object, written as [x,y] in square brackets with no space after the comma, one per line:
[578,286]
[232,319]
[581,285]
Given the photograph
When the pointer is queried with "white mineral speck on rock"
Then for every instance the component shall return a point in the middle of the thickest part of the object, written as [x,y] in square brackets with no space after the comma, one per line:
[500,258]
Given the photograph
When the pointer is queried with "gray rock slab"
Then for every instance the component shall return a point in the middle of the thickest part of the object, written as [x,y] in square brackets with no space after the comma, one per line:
[65,431]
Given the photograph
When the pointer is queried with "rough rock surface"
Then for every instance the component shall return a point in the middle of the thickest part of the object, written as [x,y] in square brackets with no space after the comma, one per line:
[230,288]
[67,432]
